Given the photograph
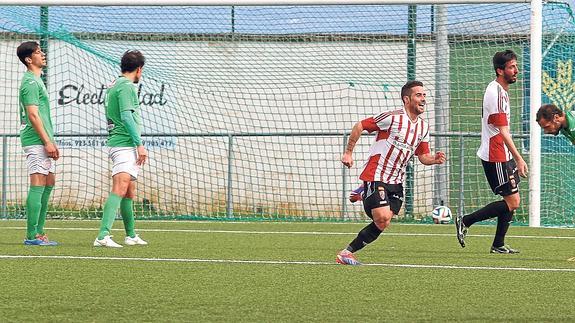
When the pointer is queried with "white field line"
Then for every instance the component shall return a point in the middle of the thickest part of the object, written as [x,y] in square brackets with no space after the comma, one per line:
[274,222]
[279,262]
[327,233]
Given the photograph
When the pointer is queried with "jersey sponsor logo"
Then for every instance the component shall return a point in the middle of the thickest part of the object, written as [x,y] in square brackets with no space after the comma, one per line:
[402,145]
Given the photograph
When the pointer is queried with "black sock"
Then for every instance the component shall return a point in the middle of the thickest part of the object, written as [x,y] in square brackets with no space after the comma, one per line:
[366,236]
[489,211]
[502,226]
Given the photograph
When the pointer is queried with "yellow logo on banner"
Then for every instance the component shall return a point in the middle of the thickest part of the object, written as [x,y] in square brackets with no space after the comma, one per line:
[561,90]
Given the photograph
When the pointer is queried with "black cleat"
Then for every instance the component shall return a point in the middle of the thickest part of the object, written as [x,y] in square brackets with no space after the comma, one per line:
[461,230]
[503,249]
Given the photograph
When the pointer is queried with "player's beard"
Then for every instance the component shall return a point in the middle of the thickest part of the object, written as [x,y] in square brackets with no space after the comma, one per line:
[558,130]
[511,79]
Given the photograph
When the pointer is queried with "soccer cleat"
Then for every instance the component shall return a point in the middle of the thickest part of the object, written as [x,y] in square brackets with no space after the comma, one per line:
[503,249]
[345,257]
[44,237]
[106,242]
[135,241]
[355,195]
[36,242]
[461,229]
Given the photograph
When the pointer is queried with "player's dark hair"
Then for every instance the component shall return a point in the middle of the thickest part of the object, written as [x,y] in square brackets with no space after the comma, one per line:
[25,50]
[131,60]
[501,58]
[547,112]
[406,89]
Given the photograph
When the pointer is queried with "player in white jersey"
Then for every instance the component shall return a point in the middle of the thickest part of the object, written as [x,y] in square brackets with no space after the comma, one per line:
[400,135]
[501,160]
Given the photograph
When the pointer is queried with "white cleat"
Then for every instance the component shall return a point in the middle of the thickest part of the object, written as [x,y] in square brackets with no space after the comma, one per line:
[135,241]
[106,242]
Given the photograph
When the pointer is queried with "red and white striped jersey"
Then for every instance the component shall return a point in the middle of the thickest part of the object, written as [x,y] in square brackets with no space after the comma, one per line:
[398,138]
[496,112]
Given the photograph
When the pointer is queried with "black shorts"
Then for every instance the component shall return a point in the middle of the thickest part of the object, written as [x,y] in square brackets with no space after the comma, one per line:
[503,177]
[378,194]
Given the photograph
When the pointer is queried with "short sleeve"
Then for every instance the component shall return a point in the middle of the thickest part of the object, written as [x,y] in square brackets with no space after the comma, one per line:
[423,147]
[493,108]
[369,125]
[380,122]
[127,98]
[29,93]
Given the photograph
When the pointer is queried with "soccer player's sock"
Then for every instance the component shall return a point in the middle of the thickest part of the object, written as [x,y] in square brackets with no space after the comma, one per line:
[128,216]
[44,209]
[110,207]
[502,226]
[489,211]
[33,206]
[366,236]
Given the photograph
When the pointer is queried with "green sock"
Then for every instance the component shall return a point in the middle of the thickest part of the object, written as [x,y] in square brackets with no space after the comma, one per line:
[128,216]
[44,209]
[110,208]
[33,206]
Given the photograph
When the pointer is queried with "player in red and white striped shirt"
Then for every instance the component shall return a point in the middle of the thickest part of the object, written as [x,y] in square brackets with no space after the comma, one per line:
[400,135]
[501,160]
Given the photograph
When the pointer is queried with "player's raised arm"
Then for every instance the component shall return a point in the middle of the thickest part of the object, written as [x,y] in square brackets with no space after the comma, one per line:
[432,159]
[399,133]
[356,131]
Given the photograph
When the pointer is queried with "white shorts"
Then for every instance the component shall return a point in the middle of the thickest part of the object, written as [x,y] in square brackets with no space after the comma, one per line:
[38,161]
[124,161]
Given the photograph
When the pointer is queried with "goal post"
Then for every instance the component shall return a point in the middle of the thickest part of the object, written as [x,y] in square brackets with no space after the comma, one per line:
[535,103]
[246,103]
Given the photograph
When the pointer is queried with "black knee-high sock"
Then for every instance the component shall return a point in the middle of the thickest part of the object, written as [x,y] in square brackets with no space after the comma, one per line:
[502,226]
[491,210]
[366,236]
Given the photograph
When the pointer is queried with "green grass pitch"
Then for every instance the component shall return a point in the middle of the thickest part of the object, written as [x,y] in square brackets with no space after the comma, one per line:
[268,272]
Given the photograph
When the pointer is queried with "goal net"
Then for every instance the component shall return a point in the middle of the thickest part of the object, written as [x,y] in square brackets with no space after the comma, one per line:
[246,109]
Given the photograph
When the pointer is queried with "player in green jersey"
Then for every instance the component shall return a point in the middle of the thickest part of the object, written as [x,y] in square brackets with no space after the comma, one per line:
[126,150]
[37,138]
[553,120]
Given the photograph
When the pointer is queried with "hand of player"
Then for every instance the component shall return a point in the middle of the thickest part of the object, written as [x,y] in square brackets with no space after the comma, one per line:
[142,155]
[347,160]
[522,168]
[52,150]
[440,157]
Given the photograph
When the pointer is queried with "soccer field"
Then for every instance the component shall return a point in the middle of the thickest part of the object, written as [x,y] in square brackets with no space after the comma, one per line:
[202,271]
